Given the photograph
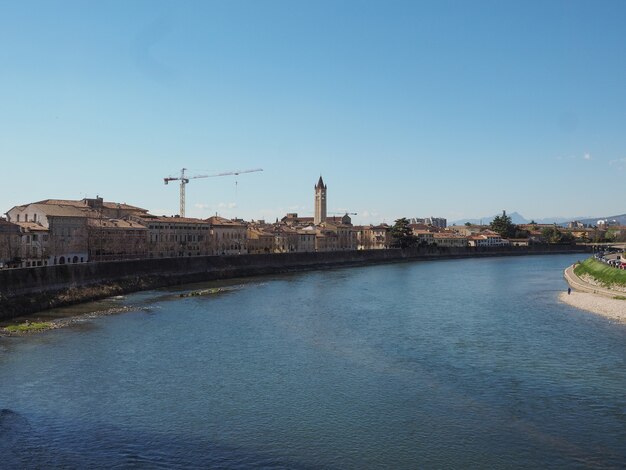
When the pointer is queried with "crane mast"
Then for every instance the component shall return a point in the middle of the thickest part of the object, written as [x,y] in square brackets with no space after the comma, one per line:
[184,179]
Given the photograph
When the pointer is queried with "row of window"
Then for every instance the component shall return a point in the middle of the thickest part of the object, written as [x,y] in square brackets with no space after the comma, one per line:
[34,219]
[177,227]
[35,238]
[175,238]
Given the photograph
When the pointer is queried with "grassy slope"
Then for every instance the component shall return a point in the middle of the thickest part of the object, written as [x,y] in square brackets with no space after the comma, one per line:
[26,327]
[605,274]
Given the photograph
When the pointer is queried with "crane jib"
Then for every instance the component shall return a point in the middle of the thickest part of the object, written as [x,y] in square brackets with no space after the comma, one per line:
[184,179]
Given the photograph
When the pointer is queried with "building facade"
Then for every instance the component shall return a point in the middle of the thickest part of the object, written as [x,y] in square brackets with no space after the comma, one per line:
[373,237]
[58,231]
[177,236]
[113,239]
[229,236]
[10,244]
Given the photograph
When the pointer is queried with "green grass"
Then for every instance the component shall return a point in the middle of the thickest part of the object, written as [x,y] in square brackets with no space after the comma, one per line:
[606,275]
[26,327]
[619,297]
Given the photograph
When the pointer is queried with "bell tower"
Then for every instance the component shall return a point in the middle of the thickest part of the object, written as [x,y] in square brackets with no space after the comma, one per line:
[320,202]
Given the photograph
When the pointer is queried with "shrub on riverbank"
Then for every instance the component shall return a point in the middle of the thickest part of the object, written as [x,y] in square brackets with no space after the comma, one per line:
[28,327]
[606,275]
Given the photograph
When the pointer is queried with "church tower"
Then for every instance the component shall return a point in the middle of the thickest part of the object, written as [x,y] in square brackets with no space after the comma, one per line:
[320,202]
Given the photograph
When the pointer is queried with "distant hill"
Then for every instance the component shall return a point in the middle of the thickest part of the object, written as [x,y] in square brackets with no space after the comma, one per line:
[517,219]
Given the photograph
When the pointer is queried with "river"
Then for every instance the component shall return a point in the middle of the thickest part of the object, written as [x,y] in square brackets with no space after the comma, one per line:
[447,364]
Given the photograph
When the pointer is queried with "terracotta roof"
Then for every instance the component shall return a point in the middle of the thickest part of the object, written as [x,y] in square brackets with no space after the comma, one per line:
[61,210]
[284,229]
[83,203]
[300,220]
[332,224]
[116,224]
[221,221]
[122,205]
[449,235]
[32,226]
[258,233]
[6,222]
[337,218]
[147,218]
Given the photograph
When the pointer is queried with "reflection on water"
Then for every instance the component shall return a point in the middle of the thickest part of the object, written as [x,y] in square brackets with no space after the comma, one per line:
[465,363]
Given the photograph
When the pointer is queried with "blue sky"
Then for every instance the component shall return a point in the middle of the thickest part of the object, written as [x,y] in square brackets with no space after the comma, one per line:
[452,109]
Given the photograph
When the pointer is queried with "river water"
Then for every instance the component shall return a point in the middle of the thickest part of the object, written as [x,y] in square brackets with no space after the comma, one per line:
[446,364]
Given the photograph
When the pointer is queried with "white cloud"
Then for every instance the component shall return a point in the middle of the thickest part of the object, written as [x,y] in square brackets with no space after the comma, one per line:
[201,206]
[586,156]
[369,214]
[227,205]
[619,163]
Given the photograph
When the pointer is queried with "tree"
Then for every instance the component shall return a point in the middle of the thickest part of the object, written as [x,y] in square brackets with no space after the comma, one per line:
[554,235]
[401,234]
[503,225]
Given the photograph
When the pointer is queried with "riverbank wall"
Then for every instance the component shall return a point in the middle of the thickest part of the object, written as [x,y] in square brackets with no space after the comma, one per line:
[30,290]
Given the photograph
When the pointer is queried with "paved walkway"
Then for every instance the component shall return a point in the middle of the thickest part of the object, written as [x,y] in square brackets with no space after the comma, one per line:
[577,283]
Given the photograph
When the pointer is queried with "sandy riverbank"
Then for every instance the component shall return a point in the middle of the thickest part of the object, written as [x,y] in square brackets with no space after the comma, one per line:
[614,309]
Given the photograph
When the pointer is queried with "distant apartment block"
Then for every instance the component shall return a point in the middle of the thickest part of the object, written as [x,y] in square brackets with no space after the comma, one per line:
[603,223]
[438,222]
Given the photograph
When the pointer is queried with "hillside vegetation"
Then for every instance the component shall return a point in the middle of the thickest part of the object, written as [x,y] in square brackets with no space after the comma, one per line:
[604,274]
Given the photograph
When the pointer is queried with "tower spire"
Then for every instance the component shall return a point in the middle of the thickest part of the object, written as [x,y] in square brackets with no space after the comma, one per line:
[320,202]
[320,183]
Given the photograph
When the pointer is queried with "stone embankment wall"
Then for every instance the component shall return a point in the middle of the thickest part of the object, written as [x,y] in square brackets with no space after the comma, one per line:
[29,290]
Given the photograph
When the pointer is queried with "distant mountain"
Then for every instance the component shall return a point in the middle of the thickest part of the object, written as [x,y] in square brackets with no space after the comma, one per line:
[517,219]
[555,220]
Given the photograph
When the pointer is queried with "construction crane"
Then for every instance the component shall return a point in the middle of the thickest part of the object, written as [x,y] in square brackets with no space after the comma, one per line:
[184,179]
